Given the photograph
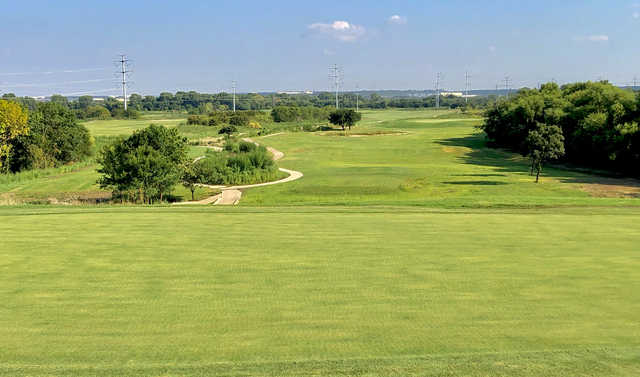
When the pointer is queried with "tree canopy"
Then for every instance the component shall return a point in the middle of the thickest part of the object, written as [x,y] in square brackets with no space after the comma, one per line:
[144,166]
[13,124]
[344,118]
[598,121]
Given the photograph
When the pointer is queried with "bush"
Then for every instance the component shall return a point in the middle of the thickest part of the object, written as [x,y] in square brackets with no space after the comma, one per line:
[97,112]
[228,130]
[239,119]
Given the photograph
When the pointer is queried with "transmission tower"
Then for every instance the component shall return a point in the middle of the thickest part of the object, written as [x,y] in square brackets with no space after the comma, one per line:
[507,85]
[233,84]
[467,76]
[635,82]
[124,62]
[335,74]
[438,77]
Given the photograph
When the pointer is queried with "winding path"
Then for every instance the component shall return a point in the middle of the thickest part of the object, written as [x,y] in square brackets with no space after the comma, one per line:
[231,195]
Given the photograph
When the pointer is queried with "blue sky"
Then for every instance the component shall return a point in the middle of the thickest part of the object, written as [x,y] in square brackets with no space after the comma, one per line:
[69,47]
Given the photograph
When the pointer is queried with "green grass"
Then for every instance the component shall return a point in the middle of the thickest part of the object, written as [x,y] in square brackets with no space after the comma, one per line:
[339,291]
[118,127]
[421,253]
[433,160]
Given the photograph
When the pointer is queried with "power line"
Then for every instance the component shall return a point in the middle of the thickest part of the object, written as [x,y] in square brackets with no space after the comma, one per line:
[233,83]
[335,74]
[124,64]
[438,76]
[466,87]
[507,85]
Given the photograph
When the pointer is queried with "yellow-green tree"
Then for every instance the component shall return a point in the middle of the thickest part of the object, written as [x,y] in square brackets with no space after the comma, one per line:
[13,123]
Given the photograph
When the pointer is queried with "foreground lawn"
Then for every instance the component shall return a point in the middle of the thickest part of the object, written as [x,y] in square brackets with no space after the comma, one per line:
[319,291]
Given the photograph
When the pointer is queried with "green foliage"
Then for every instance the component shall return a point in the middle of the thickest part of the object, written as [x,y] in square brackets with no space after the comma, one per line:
[13,124]
[97,112]
[145,166]
[296,114]
[55,139]
[240,163]
[228,130]
[545,143]
[344,118]
[598,121]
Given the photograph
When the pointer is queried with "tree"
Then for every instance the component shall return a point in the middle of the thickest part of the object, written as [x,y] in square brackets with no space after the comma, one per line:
[344,118]
[545,143]
[13,124]
[145,166]
[191,176]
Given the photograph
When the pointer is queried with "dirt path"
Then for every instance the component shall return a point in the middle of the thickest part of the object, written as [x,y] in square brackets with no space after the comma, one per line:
[231,194]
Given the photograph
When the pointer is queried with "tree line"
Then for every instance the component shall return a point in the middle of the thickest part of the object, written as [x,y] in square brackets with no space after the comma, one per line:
[593,124]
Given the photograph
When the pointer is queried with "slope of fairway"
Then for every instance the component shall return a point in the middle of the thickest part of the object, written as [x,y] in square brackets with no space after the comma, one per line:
[317,291]
[118,127]
[429,159]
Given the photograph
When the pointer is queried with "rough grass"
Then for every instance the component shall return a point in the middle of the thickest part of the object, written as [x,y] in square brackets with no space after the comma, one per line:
[316,291]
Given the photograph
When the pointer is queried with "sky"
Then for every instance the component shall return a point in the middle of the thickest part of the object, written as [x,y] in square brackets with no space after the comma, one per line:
[70,47]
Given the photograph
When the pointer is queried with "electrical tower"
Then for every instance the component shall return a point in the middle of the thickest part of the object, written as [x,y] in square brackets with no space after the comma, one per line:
[466,87]
[334,73]
[124,62]
[438,77]
[507,85]
[233,84]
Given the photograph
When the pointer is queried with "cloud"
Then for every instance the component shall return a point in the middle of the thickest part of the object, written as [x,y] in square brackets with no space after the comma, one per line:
[397,20]
[593,38]
[635,15]
[340,30]
[492,48]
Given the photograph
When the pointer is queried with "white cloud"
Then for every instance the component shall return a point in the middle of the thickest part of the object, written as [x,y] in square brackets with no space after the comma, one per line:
[340,30]
[593,38]
[398,20]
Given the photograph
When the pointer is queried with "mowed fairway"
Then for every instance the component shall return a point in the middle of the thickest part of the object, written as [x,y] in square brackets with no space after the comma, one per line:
[316,291]
[419,252]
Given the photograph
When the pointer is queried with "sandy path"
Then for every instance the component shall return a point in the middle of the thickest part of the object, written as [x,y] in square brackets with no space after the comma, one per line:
[231,194]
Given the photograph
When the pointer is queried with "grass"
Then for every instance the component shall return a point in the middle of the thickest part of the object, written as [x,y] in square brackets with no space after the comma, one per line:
[119,127]
[432,160]
[415,253]
[339,291]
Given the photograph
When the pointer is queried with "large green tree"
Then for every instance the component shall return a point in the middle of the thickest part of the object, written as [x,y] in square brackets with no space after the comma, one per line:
[13,124]
[344,118]
[145,166]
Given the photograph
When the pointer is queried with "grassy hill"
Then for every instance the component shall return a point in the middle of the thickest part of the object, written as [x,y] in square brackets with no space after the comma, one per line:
[407,249]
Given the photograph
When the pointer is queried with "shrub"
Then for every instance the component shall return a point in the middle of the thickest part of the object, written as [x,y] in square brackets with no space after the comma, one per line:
[228,130]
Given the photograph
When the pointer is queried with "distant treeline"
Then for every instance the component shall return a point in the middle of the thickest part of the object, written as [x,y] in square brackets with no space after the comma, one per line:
[599,123]
[86,107]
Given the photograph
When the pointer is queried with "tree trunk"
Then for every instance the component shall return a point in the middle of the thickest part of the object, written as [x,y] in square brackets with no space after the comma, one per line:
[538,172]
[193,190]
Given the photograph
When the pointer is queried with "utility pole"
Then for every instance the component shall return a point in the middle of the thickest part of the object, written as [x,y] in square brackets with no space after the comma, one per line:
[438,90]
[334,73]
[233,83]
[507,85]
[466,87]
[357,98]
[123,63]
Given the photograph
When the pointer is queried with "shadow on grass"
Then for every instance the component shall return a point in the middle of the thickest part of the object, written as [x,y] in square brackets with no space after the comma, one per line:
[476,183]
[505,162]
